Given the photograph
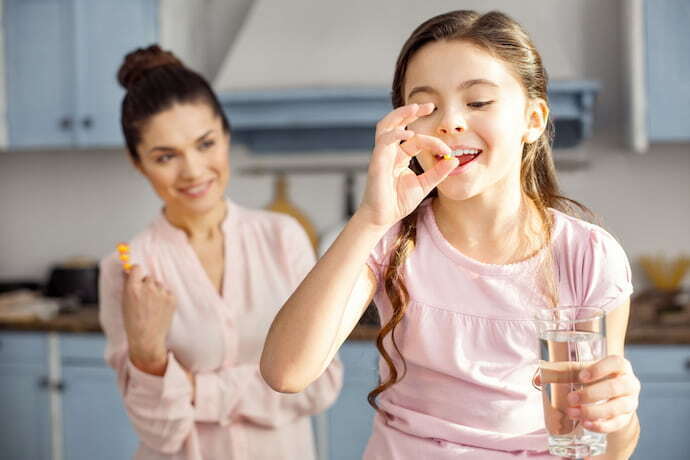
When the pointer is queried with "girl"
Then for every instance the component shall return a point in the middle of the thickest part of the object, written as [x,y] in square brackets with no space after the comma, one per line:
[185,326]
[461,235]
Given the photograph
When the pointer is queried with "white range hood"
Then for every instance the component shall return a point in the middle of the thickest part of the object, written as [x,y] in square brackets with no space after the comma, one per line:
[310,75]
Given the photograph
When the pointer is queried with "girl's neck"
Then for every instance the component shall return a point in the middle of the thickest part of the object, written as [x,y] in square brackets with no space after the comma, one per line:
[198,227]
[496,231]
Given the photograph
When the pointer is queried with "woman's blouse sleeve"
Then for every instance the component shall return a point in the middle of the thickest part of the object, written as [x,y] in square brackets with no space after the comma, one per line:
[160,408]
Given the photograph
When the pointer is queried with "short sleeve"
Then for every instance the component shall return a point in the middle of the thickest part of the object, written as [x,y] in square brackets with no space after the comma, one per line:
[379,257]
[606,272]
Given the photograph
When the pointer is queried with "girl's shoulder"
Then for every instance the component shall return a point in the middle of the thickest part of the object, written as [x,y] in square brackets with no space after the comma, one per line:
[573,233]
[592,261]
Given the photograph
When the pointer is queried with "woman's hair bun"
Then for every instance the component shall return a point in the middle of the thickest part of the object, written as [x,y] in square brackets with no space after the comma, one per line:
[141,61]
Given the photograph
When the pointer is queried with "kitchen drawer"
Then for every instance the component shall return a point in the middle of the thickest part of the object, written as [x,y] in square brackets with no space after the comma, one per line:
[23,347]
[82,349]
[660,362]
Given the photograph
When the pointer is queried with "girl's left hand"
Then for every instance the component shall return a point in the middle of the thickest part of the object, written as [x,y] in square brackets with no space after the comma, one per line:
[609,397]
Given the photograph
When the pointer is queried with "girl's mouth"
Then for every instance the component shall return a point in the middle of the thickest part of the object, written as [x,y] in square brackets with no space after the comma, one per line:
[465,156]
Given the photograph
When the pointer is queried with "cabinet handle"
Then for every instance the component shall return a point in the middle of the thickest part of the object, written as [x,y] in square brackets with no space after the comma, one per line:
[66,123]
[687,365]
[87,122]
[45,383]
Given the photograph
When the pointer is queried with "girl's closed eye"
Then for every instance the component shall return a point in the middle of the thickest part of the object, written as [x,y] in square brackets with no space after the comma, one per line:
[480,104]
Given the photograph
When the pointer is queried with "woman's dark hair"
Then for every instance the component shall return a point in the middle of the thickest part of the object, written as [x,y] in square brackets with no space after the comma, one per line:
[155,80]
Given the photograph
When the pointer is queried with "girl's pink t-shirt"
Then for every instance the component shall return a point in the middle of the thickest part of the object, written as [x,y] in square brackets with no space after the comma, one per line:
[470,343]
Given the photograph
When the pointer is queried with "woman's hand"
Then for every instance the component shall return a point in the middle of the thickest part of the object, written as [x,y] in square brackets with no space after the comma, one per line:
[147,311]
[393,190]
[608,400]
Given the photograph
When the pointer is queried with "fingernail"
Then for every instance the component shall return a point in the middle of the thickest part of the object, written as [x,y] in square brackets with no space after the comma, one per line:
[587,424]
[584,376]
[573,398]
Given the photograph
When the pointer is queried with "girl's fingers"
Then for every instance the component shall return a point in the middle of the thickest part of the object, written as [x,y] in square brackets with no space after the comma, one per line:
[607,425]
[611,365]
[437,174]
[606,410]
[402,116]
[622,385]
[392,137]
[420,142]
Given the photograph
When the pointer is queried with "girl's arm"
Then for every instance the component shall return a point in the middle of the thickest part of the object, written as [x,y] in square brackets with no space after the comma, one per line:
[619,385]
[321,313]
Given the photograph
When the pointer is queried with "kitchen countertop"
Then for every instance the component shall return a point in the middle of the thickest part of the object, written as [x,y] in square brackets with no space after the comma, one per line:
[86,320]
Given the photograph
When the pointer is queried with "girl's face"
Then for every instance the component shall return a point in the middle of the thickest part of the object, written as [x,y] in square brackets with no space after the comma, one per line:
[184,154]
[481,112]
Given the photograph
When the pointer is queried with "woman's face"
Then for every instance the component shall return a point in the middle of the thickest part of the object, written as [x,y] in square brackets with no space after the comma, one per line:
[480,112]
[184,154]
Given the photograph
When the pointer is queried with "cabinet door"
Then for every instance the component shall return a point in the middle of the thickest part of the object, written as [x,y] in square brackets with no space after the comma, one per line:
[664,411]
[668,66]
[94,421]
[24,399]
[106,31]
[40,73]
[350,418]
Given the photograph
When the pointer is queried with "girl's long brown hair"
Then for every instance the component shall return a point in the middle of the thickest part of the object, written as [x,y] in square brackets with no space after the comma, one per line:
[503,38]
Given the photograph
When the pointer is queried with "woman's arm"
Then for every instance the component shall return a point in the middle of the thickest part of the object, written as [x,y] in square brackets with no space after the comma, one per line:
[240,393]
[160,407]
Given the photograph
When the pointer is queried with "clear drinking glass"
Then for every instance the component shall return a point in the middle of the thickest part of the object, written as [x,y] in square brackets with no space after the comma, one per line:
[570,339]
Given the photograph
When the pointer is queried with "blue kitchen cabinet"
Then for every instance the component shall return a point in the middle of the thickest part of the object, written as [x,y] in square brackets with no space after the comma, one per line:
[24,397]
[94,420]
[62,58]
[667,38]
[350,418]
[664,410]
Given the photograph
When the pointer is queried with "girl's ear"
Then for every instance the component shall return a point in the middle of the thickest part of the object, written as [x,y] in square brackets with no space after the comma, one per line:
[537,117]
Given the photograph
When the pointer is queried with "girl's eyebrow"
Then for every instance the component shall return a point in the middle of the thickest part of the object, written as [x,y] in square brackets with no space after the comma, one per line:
[462,86]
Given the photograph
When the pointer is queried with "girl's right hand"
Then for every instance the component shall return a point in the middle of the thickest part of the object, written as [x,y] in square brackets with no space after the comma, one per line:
[147,310]
[393,190]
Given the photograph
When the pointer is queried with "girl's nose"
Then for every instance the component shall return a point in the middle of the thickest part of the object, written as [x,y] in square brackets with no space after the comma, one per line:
[455,124]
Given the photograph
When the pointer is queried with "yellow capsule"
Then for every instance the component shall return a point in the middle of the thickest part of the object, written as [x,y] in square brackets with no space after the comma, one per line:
[127,266]
[124,257]
[447,157]
[122,248]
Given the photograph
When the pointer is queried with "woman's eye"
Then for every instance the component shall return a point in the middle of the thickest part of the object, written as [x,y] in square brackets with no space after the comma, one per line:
[164,158]
[207,145]
[479,104]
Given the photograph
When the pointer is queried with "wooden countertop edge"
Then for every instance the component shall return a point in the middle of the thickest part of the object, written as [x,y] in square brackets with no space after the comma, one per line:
[86,321]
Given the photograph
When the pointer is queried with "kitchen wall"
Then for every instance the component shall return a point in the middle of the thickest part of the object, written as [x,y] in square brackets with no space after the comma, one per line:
[54,205]
[3,97]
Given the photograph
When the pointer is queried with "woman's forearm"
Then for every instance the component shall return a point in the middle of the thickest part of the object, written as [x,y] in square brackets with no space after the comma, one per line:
[304,335]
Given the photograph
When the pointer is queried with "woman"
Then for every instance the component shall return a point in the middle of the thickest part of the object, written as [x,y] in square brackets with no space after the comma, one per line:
[185,325]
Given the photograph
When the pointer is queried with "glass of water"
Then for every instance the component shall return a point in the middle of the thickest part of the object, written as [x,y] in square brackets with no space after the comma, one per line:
[570,339]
